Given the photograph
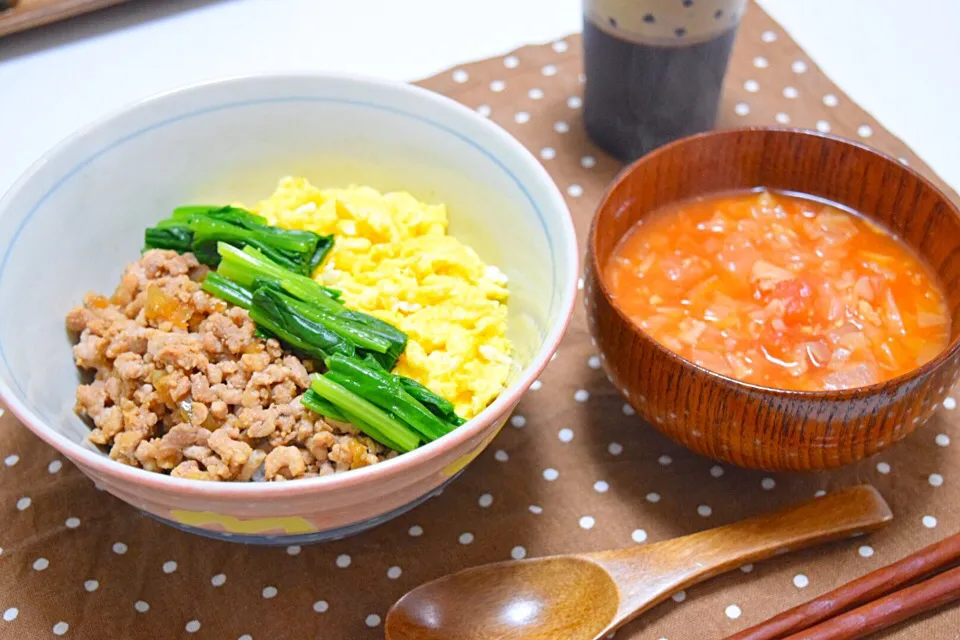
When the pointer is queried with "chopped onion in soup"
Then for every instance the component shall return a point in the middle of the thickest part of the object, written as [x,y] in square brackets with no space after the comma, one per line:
[781,291]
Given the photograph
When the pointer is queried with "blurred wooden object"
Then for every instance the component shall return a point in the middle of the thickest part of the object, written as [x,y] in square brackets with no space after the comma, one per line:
[20,15]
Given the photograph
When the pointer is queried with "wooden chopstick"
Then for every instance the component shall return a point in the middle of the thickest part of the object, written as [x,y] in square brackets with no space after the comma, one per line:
[887,611]
[858,592]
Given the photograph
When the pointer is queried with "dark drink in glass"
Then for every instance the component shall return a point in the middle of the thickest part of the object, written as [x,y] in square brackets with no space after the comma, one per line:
[654,69]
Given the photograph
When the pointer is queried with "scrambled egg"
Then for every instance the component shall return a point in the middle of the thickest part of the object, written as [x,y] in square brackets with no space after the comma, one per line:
[392,258]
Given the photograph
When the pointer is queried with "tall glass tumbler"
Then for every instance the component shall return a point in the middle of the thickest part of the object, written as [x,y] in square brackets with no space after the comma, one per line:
[654,69]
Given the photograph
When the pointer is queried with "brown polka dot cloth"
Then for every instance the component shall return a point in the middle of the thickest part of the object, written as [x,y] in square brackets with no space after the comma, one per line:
[576,470]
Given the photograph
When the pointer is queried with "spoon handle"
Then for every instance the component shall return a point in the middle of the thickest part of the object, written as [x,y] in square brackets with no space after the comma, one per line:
[648,574]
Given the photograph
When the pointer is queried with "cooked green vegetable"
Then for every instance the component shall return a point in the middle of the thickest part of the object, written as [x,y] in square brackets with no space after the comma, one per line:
[311,400]
[366,416]
[440,407]
[344,325]
[217,285]
[387,392]
[250,265]
[298,304]
[272,309]
[200,228]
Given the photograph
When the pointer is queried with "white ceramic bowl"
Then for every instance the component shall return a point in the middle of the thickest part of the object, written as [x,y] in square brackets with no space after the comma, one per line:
[76,218]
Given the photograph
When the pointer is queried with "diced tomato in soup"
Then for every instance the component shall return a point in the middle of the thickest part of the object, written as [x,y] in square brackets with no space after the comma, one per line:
[781,291]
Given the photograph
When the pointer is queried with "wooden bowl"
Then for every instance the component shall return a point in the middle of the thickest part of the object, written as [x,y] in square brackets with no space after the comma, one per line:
[741,423]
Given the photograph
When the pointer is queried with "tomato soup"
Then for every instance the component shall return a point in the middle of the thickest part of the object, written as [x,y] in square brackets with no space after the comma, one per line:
[781,291]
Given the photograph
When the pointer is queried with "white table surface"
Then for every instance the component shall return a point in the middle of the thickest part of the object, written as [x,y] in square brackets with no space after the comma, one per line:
[898,63]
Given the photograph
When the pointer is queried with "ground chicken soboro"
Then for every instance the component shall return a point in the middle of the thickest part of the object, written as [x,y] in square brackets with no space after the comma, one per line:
[183,386]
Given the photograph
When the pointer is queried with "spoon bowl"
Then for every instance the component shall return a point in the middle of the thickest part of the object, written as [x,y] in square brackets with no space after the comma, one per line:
[532,599]
[585,596]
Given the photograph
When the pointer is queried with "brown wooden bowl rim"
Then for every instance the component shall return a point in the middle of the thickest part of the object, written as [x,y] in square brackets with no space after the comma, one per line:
[840,394]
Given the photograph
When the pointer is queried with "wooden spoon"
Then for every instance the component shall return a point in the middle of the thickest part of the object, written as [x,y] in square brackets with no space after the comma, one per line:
[585,596]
